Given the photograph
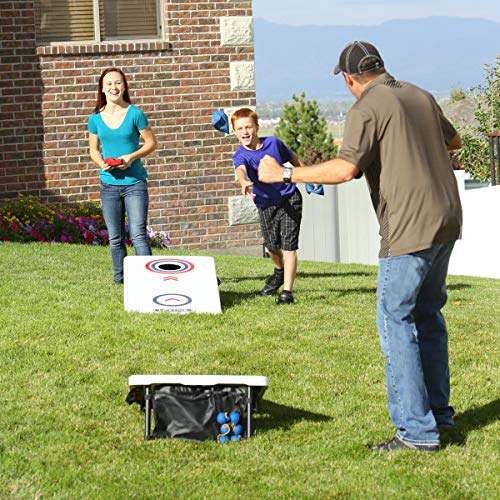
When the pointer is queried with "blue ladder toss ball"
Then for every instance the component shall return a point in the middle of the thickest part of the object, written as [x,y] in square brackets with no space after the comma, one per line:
[229,425]
[225,429]
[222,418]
[234,416]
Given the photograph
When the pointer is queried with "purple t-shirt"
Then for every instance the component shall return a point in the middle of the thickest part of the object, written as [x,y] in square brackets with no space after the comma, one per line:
[265,194]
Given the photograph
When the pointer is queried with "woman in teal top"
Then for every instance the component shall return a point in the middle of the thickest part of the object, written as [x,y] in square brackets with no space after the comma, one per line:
[115,127]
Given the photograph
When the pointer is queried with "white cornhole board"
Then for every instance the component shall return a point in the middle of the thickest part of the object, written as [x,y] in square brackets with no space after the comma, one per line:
[171,284]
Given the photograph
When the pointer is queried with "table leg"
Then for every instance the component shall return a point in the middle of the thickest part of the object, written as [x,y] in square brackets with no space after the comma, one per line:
[147,416]
[249,412]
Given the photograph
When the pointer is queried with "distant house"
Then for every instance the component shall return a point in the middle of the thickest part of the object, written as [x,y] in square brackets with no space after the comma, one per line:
[183,59]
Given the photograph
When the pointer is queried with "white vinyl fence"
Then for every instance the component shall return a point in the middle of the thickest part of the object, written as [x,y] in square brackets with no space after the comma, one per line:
[341,227]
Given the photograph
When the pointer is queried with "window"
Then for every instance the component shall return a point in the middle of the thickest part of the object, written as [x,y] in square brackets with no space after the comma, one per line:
[96,20]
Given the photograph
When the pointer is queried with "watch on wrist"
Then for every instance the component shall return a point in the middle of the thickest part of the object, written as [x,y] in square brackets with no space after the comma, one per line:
[287,175]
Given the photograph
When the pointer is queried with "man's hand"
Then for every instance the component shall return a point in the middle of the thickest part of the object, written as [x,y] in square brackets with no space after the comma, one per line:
[270,170]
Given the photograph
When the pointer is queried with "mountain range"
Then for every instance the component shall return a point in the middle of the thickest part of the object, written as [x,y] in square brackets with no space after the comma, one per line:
[437,53]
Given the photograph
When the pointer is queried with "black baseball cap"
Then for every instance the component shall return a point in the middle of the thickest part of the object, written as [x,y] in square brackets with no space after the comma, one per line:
[353,56]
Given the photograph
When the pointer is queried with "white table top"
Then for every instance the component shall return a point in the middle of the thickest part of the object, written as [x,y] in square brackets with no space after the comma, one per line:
[198,380]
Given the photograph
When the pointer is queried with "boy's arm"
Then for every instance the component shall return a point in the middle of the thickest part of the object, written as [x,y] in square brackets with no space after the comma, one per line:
[245,183]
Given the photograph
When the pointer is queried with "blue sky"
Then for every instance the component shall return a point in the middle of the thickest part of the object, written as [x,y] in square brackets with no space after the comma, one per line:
[369,12]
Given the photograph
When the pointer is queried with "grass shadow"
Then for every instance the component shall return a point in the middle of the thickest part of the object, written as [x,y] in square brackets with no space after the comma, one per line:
[276,416]
[468,421]
[458,286]
[231,299]
[359,290]
[300,275]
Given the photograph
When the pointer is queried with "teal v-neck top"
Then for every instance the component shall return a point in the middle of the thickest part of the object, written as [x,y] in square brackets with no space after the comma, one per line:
[120,141]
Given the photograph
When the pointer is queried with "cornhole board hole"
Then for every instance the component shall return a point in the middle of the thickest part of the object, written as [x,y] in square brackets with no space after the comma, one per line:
[171,284]
[186,406]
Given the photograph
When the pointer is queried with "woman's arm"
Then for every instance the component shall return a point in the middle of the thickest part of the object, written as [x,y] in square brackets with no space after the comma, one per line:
[95,152]
[148,147]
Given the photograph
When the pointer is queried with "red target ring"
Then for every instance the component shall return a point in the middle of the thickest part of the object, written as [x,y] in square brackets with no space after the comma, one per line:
[169,266]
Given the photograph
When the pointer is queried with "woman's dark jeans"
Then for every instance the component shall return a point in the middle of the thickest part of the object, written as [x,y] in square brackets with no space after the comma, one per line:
[116,200]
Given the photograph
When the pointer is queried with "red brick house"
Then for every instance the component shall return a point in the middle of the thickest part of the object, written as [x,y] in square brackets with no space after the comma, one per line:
[183,59]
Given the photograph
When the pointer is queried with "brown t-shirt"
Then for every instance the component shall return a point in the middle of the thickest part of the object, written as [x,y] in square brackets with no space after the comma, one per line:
[396,134]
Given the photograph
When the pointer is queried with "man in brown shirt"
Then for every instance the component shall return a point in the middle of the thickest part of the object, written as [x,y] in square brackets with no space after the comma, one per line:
[398,138]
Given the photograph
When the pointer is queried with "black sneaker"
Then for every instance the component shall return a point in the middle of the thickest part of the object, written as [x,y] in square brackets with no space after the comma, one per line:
[396,444]
[285,297]
[273,284]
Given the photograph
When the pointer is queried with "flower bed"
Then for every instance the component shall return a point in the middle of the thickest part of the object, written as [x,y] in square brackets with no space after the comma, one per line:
[26,219]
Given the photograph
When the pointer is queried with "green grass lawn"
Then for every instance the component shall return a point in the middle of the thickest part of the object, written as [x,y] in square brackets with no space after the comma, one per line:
[67,348]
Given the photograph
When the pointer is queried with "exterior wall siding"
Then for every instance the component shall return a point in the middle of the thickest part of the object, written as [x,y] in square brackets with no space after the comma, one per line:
[47,93]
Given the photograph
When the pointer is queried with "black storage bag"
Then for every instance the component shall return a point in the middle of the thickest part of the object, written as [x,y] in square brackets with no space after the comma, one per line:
[189,412]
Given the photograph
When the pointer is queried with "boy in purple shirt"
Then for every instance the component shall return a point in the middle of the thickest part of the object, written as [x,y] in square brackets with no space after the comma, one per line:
[279,204]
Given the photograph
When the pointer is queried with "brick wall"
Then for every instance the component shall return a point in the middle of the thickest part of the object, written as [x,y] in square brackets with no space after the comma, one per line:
[47,93]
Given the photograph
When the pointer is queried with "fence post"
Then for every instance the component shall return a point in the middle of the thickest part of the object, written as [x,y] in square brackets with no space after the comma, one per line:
[494,140]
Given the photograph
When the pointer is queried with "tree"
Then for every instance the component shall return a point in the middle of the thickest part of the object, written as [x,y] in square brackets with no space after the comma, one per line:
[303,130]
[475,152]
[457,94]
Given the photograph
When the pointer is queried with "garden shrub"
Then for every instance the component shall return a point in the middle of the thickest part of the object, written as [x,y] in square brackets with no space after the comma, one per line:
[27,219]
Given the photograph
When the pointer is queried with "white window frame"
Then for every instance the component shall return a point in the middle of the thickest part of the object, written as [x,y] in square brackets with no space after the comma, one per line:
[160,23]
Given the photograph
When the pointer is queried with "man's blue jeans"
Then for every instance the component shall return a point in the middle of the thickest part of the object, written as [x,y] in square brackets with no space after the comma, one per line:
[410,295]
[134,200]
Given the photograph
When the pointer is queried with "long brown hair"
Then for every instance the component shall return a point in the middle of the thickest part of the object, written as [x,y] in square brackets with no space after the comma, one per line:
[101,96]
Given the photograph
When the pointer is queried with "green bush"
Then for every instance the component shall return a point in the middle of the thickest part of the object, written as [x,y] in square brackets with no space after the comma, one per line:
[457,94]
[26,219]
[303,130]
[475,152]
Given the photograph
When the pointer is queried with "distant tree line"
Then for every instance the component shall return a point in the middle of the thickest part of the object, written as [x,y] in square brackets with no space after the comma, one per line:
[330,110]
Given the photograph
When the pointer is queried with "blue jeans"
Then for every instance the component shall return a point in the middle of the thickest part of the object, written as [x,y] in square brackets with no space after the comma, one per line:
[410,295]
[134,200]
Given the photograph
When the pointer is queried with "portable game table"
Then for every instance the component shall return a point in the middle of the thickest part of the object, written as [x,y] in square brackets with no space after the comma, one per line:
[255,387]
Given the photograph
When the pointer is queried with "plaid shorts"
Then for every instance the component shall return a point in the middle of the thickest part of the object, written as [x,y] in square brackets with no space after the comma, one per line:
[280,224]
